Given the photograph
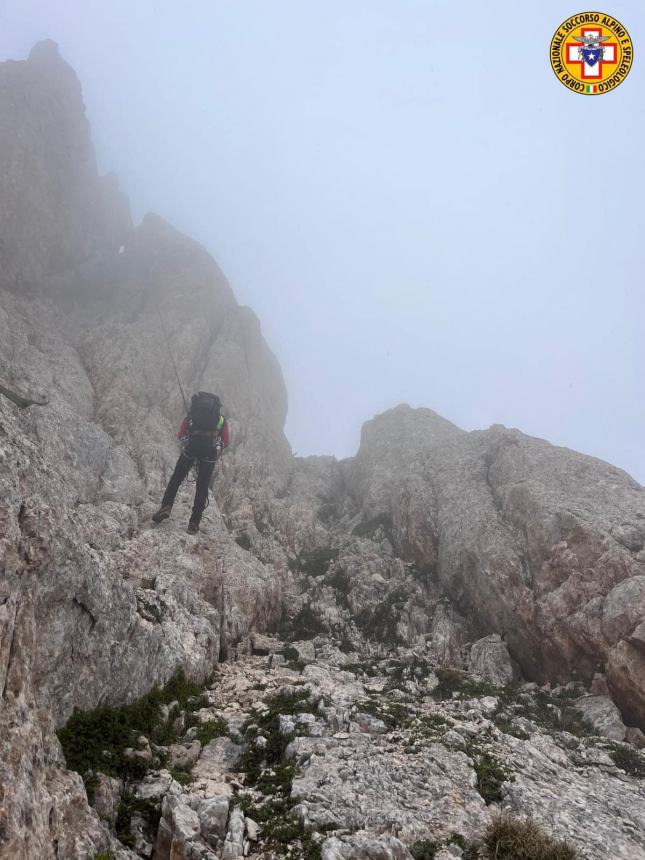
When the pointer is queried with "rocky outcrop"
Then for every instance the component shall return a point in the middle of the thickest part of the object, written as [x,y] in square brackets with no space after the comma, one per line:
[538,543]
[59,220]
[374,765]
[94,607]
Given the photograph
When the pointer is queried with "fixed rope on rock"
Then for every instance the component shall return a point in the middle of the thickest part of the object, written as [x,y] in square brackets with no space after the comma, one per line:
[181,389]
[172,359]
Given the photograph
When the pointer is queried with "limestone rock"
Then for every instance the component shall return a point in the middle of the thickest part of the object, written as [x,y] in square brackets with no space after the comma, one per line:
[183,756]
[213,817]
[356,848]
[107,793]
[234,842]
[178,827]
[489,658]
[601,713]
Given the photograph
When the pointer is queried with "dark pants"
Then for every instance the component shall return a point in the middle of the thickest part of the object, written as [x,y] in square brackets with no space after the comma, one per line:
[202,452]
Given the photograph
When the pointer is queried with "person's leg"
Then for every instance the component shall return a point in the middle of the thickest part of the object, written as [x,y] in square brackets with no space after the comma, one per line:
[204,472]
[182,468]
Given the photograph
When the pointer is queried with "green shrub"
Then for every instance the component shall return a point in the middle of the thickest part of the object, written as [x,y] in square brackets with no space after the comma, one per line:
[423,850]
[393,714]
[210,729]
[508,838]
[96,740]
[628,759]
[149,810]
[456,681]
[506,726]
[181,776]
[256,761]
[267,771]
[292,658]
[491,773]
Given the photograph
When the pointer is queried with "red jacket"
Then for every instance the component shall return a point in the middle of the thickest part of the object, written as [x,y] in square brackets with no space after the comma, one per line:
[225,433]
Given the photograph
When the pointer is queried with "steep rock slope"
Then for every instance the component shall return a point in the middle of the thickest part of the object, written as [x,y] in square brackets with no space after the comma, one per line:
[94,608]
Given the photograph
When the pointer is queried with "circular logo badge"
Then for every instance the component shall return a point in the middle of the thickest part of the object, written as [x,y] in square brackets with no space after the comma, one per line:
[591,53]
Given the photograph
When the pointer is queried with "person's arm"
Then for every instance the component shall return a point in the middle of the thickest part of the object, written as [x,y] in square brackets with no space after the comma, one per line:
[183,429]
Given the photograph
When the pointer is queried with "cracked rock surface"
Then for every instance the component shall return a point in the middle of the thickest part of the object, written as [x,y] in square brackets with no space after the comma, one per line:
[424,768]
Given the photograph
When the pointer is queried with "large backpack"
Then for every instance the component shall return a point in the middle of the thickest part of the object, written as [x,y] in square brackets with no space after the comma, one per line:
[205,414]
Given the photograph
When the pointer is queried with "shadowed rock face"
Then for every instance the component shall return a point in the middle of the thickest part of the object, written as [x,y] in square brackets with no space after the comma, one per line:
[430,538]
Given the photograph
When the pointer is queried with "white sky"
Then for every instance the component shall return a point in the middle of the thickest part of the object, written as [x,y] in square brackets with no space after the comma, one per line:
[412,203]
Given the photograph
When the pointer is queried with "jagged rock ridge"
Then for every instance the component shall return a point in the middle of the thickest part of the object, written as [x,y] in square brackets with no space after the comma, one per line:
[430,539]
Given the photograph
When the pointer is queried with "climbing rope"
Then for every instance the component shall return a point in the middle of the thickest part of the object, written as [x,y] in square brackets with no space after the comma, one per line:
[172,359]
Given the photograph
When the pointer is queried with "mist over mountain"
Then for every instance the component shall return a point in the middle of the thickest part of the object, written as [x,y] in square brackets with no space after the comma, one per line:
[357,658]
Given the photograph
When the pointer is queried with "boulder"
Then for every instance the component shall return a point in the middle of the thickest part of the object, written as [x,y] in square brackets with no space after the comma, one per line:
[490,659]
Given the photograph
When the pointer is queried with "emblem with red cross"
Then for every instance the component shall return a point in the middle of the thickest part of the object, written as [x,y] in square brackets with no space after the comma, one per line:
[592,72]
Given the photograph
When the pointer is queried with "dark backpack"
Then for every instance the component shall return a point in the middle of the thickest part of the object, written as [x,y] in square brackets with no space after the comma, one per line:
[204,413]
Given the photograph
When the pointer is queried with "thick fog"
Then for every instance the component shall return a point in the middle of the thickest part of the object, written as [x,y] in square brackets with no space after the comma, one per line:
[412,203]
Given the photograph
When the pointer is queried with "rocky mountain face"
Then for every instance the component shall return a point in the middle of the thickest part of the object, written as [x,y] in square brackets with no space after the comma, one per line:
[456,620]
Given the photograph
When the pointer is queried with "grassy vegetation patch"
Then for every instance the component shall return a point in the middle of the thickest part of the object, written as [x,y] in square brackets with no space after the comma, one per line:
[210,729]
[149,810]
[181,776]
[553,713]
[393,714]
[508,838]
[427,727]
[268,772]
[491,772]
[293,659]
[256,760]
[506,726]
[398,672]
[425,849]
[96,740]
[453,681]
[628,759]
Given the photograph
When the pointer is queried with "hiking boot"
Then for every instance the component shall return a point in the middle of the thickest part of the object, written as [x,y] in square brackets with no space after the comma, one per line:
[162,514]
[193,528]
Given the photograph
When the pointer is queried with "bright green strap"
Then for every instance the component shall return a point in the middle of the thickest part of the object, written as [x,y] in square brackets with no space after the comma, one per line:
[220,423]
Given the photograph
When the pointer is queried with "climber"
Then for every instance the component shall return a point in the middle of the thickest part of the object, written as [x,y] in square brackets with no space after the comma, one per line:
[203,435]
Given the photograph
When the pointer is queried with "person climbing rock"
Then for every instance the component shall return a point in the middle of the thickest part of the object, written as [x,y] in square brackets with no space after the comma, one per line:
[203,435]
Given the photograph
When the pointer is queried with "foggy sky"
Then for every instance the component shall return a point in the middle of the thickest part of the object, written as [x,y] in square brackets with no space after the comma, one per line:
[415,207]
